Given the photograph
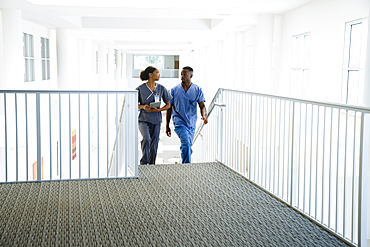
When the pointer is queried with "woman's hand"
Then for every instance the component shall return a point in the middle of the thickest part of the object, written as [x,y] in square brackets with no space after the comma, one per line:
[152,109]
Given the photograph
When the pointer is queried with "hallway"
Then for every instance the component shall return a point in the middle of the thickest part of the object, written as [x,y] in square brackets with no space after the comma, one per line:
[203,204]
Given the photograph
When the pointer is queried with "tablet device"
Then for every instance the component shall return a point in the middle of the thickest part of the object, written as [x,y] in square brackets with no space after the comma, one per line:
[155,104]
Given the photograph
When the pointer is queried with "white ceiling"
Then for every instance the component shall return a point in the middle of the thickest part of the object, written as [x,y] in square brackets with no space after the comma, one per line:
[143,25]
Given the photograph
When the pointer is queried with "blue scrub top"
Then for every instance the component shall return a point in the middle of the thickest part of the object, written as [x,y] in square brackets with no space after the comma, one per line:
[146,96]
[185,104]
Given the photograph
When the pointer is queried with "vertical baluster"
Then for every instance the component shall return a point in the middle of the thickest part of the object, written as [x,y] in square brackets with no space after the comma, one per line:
[70,135]
[16,136]
[107,139]
[50,142]
[79,135]
[60,136]
[98,132]
[279,145]
[305,161]
[317,158]
[310,181]
[291,151]
[284,141]
[38,134]
[250,136]
[26,113]
[337,178]
[323,168]
[299,154]
[353,176]
[117,135]
[331,143]
[6,140]
[263,138]
[275,147]
[344,175]
[269,176]
[362,234]
[88,136]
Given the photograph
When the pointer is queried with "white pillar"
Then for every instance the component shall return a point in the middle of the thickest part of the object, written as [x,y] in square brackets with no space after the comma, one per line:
[13,49]
[119,69]
[102,65]
[263,53]
[62,58]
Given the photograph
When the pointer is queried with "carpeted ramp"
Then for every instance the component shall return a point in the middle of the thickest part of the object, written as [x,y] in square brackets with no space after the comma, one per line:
[169,205]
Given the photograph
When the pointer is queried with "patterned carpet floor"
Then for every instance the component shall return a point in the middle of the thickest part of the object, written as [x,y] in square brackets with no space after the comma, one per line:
[203,204]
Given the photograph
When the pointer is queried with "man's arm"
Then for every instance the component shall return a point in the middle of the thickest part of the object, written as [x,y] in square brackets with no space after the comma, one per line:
[168,120]
[203,111]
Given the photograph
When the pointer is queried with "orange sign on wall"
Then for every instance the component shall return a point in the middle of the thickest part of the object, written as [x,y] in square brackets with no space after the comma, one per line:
[35,169]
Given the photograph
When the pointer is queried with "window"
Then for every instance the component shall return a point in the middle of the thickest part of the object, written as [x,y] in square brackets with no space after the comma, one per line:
[45,59]
[354,61]
[300,65]
[29,60]
[166,64]
[143,61]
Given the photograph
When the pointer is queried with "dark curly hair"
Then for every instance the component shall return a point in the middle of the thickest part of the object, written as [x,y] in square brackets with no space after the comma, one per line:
[144,74]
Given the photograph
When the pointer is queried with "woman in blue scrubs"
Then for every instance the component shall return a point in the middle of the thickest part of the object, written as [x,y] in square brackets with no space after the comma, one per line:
[150,118]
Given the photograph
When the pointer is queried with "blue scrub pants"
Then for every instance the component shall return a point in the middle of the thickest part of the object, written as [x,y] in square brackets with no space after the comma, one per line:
[186,136]
[149,144]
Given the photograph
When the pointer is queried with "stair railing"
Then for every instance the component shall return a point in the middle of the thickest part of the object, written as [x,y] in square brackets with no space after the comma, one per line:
[313,156]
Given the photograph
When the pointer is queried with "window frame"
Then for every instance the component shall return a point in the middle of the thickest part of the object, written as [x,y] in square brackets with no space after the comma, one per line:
[45,58]
[347,70]
[299,72]
[29,57]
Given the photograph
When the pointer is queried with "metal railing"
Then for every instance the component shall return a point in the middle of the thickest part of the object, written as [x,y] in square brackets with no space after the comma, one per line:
[66,135]
[311,155]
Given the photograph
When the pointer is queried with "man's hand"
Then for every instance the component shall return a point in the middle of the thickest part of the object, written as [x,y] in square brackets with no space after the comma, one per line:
[205,120]
[168,131]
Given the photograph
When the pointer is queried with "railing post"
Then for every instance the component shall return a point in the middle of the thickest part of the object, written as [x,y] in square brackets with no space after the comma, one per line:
[38,135]
[363,173]
[291,158]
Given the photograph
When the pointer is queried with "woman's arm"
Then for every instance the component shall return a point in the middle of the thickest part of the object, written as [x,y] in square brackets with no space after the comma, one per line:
[164,108]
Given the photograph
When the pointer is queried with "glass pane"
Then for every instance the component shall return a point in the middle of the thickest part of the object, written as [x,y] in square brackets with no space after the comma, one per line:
[43,69]
[47,69]
[25,70]
[24,45]
[32,70]
[30,40]
[42,48]
[353,87]
[47,52]
[355,45]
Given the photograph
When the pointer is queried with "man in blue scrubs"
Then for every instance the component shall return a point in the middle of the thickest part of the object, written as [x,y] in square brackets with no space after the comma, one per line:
[186,97]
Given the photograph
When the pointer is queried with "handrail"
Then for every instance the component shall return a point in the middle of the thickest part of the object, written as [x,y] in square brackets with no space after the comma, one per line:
[65,124]
[308,154]
[321,103]
[115,141]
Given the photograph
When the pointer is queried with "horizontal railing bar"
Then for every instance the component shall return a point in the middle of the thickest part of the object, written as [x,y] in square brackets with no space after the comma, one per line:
[58,180]
[321,103]
[68,91]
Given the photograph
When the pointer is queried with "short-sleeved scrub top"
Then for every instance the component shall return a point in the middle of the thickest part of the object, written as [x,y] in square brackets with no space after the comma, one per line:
[185,104]
[146,96]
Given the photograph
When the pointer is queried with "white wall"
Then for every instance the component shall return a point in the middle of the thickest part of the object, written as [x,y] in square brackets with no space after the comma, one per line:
[325,20]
